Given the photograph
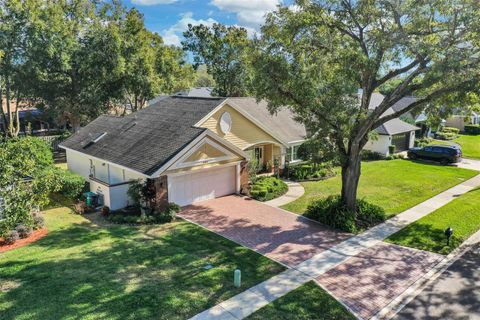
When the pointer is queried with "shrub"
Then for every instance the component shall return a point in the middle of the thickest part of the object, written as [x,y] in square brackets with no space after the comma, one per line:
[391,149]
[38,221]
[310,171]
[445,135]
[23,231]
[169,214]
[450,130]
[105,211]
[133,216]
[422,142]
[72,184]
[368,214]
[332,212]
[11,237]
[368,155]
[267,188]
[81,207]
[472,129]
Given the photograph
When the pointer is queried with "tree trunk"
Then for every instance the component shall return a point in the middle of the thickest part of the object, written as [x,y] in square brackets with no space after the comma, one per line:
[351,170]
[3,117]
[74,122]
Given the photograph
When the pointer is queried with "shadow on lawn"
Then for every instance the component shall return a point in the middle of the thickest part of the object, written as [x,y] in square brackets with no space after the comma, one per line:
[125,272]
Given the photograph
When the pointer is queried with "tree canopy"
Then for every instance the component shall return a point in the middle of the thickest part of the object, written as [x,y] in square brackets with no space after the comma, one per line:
[224,52]
[79,59]
[317,58]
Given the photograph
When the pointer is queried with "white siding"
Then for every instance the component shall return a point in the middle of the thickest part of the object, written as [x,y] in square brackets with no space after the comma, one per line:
[78,163]
[411,144]
[130,175]
[101,170]
[379,145]
[102,191]
[116,174]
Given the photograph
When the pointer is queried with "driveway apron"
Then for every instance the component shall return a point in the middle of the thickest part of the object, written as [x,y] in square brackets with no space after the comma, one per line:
[369,281]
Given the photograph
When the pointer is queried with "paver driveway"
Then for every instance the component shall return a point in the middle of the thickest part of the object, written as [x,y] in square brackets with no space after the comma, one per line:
[280,235]
[369,281]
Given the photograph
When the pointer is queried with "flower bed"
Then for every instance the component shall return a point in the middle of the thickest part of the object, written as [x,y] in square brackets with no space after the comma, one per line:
[268,188]
[36,235]
[309,172]
[133,215]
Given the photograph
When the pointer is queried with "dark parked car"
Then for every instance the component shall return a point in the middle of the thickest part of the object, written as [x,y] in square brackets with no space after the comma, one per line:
[442,154]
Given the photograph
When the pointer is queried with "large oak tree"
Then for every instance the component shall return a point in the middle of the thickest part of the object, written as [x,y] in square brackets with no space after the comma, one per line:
[316,57]
[224,51]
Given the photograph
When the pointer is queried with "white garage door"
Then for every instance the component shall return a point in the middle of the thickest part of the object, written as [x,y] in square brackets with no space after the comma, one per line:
[199,186]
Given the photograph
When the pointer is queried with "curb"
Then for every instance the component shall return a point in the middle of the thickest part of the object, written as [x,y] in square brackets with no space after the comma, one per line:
[395,306]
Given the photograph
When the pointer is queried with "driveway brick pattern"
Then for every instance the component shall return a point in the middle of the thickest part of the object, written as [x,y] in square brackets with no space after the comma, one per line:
[282,236]
[369,281]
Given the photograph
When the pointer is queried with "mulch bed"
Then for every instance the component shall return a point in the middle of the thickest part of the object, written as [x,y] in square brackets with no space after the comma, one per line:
[36,235]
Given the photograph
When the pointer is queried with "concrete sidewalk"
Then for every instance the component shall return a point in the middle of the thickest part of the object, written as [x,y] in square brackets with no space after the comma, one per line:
[295,191]
[245,303]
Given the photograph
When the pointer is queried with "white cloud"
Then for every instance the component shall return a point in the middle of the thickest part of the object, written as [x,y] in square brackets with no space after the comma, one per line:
[249,13]
[172,35]
[152,2]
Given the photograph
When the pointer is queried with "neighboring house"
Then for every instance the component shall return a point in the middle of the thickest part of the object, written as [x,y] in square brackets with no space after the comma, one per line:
[201,92]
[27,116]
[394,132]
[460,119]
[190,148]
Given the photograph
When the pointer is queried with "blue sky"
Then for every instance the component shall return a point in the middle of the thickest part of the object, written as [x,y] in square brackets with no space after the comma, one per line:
[170,17]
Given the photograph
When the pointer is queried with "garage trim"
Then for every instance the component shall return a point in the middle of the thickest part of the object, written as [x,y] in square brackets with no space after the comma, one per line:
[235,164]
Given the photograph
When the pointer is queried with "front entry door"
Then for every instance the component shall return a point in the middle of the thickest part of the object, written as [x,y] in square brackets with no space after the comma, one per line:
[258,151]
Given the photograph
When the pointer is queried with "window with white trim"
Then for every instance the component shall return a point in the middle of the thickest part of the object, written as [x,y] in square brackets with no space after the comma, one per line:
[292,154]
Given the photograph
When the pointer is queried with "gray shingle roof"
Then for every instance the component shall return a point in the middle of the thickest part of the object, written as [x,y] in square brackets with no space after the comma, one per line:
[281,124]
[145,140]
[394,126]
[203,92]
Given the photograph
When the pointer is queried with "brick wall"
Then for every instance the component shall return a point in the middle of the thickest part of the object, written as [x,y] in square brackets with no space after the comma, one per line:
[244,187]
[161,193]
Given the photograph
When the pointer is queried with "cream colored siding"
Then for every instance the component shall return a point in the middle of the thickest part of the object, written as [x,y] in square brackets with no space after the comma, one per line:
[456,122]
[243,133]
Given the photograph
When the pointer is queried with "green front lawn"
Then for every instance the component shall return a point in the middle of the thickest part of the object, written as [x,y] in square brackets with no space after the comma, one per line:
[395,185]
[84,271]
[427,233]
[470,145]
[307,302]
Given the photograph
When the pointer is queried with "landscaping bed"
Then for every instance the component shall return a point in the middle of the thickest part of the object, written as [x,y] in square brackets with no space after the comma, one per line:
[307,171]
[394,185]
[332,212]
[309,301]
[267,188]
[133,215]
[36,235]
[427,233]
[168,271]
